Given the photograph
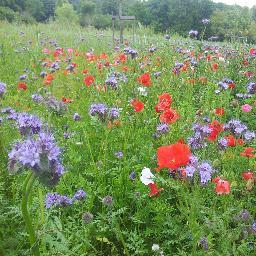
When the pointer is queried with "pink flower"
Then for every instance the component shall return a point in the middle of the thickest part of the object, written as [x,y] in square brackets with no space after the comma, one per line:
[70,50]
[246,108]
[46,51]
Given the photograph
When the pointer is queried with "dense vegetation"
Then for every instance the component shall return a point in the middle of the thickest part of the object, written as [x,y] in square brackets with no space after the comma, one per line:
[177,16]
[137,149]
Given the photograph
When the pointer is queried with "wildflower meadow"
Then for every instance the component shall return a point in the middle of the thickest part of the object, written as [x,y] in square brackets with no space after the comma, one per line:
[141,148]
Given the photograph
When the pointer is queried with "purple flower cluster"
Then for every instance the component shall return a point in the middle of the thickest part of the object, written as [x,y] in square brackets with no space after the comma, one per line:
[205,21]
[193,33]
[112,82]
[201,132]
[28,124]
[236,127]
[224,85]
[76,117]
[251,88]
[55,199]
[103,112]
[2,89]
[131,52]
[204,169]
[37,98]
[41,155]
[161,129]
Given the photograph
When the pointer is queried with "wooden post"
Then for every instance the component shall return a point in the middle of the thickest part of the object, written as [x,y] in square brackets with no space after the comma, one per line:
[121,22]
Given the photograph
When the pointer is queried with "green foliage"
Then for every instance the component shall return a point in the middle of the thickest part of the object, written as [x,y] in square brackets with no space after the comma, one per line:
[101,21]
[66,13]
[8,14]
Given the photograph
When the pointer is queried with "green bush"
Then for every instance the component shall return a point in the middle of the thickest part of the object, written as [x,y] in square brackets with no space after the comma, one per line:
[8,14]
[102,21]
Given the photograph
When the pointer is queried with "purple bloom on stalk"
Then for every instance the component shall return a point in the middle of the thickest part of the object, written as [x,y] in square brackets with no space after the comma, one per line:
[157,74]
[205,172]
[249,136]
[162,129]
[112,82]
[107,200]
[132,175]
[2,89]
[254,226]
[76,117]
[205,21]
[55,199]
[113,113]
[119,154]
[204,243]
[37,98]
[251,88]
[23,77]
[28,124]
[98,109]
[79,195]
[190,170]
[41,155]
[193,33]
[222,143]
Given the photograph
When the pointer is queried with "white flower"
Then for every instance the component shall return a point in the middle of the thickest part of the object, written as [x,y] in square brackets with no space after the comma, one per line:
[155,247]
[142,91]
[146,176]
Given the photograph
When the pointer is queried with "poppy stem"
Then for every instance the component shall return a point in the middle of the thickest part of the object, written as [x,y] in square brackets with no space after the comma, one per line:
[27,187]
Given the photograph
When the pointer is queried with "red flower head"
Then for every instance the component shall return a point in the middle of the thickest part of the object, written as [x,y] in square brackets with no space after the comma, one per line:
[169,116]
[165,101]
[252,51]
[122,57]
[219,111]
[215,66]
[248,175]
[22,86]
[222,186]
[89,80]
[216,129]
[66,100]
[137,105]
[173,156]
[240,142]
[48,79]
[154,190]
[231,140]
[145,79]
[248,152]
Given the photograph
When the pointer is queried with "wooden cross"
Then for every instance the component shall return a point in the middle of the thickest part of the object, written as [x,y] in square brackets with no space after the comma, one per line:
[121,18]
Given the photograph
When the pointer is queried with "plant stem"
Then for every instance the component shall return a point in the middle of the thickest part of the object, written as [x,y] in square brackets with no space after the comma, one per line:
[27,186]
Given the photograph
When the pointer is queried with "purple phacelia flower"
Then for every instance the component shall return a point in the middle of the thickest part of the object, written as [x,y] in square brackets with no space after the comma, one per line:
[28,124]
[55,199]
[113,113]
[37,98]
[79,195]
[2,89]
[112,82]
[98,109]
[39,154]
[76,117]
[205,21]
[205,172]
[193,33]
[222,143]
[23,77]
[251,88]
[190,170]
[119,154]
[249,136]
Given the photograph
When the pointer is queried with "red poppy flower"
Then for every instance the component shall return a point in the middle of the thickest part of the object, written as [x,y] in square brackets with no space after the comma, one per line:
[169,116]
[203,80]
[137,105]
[122,57]
[66,100]
[173,156]
[248,152]
[240,142]
[231,86]
[219,111]
[48,79]
[85,71]
[154,190]
[222,187]
[88,81]
[247,175]
[165,101]
[231,140]
[145,79]
[22,86]
[215,66]
[216,129]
